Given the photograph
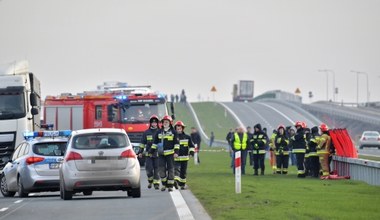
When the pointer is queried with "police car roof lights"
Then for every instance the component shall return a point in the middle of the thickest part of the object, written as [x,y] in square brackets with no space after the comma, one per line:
[35,134]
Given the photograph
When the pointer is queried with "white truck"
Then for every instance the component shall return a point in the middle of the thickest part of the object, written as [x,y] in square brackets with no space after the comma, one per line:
[244,91]
[20,105]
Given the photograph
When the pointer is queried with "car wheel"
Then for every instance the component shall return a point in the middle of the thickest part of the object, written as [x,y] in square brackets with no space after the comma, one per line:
[65,195]
[4,187]
[87,193]
[135,192]
[21,191]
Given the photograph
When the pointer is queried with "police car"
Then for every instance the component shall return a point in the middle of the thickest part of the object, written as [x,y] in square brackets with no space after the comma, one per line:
[34,166]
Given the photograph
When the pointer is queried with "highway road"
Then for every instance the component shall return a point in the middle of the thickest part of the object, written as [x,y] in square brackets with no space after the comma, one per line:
[270,114]
[153,204]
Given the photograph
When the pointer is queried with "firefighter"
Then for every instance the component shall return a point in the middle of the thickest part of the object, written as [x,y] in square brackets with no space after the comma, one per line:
[307,159]
[258,142]
[181,157]
[240,142]
[281,150]
[323,150]
[299,148]
[151,161]
[272,154]
[313,156]
[165,142]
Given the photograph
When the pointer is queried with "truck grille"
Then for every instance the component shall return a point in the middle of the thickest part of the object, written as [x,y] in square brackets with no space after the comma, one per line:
[6,149]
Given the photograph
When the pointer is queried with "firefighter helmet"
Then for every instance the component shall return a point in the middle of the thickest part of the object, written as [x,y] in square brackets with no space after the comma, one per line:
[281,126]
[303,124]
[323,127]
[180,123]
[153,118]
[298,123]
[167,117]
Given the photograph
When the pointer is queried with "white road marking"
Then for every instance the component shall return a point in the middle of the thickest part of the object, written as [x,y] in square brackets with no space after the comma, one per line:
[183,210]
[233,114]
[3,209]
[18,201]
[282,114]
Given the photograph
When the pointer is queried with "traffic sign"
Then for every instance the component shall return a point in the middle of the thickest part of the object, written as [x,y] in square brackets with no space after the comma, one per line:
[213,89]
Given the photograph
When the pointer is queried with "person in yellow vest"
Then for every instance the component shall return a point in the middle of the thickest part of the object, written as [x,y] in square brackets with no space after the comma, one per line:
[258,142]
[272,154]
[281,149]
[240,142]
[323,150]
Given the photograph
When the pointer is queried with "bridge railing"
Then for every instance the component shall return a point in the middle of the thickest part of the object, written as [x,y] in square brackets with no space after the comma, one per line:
[358,169]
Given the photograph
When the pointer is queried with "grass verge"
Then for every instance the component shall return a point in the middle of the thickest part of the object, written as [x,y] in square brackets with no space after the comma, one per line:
[277,196]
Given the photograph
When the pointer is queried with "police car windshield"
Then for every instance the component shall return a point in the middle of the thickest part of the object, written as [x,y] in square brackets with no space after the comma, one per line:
[100,141]
[50,149]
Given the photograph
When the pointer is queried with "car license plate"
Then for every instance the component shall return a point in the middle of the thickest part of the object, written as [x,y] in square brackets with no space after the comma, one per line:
[54,165]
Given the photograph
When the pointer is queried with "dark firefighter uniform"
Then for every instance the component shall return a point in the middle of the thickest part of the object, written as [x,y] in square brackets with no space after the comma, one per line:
[240,142]
[151,161]
[165,143]
[258,142]
[281,149]
[312,149]
[186,148]
[299,149]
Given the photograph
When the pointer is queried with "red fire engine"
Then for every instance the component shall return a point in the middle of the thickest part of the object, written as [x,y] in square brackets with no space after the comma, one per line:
[109,109]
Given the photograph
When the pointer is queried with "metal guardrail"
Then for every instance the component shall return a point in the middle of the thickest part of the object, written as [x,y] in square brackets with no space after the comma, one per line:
[358,169]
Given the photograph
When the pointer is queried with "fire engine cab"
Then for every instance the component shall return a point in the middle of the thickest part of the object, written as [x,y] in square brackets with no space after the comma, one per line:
[105,109]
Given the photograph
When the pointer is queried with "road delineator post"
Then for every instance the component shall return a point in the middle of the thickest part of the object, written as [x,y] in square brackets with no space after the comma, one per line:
[237,172]
[196,155]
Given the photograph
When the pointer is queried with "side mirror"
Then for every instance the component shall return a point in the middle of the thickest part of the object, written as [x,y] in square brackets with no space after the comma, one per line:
[110,115]
[34,111]
[33,99]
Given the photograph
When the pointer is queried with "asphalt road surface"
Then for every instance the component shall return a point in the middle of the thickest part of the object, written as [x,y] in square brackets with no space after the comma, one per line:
[153,204]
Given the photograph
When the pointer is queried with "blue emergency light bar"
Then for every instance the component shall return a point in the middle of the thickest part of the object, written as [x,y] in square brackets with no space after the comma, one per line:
[34,134]
[121,97]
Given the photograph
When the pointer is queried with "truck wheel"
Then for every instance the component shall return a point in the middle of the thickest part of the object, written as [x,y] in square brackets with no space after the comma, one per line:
[21,191]
[4,187]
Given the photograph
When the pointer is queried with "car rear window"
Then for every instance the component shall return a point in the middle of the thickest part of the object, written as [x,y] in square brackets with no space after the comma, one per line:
[100,141]
[50,149]
[371,134]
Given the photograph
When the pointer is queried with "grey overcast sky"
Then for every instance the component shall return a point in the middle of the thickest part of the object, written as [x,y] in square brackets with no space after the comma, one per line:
[75,45]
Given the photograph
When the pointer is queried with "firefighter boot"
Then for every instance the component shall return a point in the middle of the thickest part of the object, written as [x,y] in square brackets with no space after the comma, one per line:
[156,186]
[163,188]
[170,189]
[149,185]
[256,173]
[262,172]
[176,184]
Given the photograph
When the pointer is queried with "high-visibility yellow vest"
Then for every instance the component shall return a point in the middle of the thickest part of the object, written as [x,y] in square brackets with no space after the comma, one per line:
[240,145]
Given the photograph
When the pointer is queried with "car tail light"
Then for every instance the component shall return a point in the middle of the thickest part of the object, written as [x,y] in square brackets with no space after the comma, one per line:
[128,154]
[32,160]
[73,156]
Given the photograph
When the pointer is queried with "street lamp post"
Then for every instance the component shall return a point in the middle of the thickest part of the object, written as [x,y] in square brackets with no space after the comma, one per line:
[327,83]
[357,85]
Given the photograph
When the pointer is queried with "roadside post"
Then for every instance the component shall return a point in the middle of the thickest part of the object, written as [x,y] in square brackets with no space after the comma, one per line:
[196,155]
[237,172]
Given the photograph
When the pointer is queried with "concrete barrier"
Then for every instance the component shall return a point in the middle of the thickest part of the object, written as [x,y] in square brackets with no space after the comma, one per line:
[358,169]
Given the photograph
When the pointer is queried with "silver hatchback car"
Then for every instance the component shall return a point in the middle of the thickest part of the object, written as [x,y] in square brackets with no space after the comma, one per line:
[369,139]
[99,159]
[34,166]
